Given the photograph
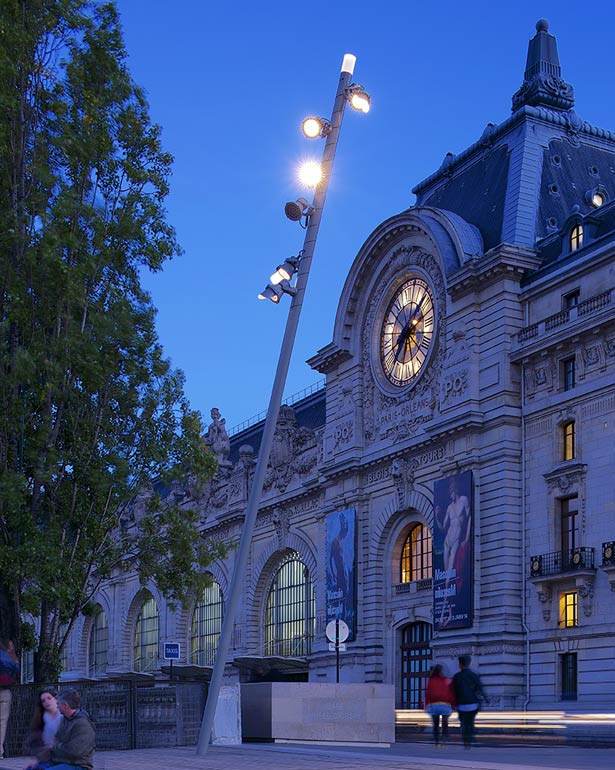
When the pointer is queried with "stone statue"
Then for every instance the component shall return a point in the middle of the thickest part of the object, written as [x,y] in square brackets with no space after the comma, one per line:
[217,438]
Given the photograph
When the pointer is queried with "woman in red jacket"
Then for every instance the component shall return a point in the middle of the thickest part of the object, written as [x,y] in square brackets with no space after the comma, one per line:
[439,702]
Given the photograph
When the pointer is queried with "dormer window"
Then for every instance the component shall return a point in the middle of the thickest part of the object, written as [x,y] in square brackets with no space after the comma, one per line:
[576,237]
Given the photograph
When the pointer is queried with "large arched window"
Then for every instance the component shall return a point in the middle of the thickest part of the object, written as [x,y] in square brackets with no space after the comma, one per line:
[206,624]
[147,636]
[289,617]
[415,664]
[416,555]
[99,644]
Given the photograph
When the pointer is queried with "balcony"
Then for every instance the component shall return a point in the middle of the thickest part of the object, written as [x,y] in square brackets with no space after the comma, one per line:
[608,561]
[553,572]
[564,324]
[413,586]
[562,562]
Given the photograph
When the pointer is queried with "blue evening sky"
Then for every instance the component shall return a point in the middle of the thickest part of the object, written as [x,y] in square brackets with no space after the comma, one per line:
[230,83]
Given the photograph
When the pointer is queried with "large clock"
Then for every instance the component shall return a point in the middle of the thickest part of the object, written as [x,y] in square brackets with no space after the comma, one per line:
[407,332]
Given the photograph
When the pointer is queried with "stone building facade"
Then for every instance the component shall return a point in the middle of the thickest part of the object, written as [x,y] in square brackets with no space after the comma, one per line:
[475,333]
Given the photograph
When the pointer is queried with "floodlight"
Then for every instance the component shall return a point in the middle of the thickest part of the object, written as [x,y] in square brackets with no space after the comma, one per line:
[358,98]
[285,271]
[313,128]
[294,209]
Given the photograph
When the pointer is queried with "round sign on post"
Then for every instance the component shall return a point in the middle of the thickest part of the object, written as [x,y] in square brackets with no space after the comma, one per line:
[337,635]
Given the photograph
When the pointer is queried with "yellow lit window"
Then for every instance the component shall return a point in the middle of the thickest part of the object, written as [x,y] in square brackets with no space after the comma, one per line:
[576,237]
[416,555]
[568,609]
[569,435]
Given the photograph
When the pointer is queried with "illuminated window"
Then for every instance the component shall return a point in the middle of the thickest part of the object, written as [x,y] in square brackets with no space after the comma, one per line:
[290,612]
[206,625]
[569,676]
[568,373]
[416,555]
[569,443]
[99,645]
[147,637]
[568,609]
[576,237]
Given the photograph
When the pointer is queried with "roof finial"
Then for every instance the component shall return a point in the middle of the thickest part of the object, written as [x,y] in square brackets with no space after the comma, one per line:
[543,84]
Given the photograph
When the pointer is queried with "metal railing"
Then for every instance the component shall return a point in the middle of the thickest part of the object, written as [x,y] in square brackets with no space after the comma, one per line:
[561,561]
[589,306]
[286,401]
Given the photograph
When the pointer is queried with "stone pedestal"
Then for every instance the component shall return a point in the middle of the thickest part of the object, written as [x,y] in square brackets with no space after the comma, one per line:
[227,720]
[318,712]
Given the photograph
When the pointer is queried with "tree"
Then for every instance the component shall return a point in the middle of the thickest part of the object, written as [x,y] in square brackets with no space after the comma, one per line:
[91,414]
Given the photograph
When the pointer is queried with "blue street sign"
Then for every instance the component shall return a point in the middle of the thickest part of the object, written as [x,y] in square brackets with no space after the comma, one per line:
[171,650]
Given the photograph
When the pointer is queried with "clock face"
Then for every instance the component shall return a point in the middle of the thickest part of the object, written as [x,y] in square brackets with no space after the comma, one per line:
[407,332]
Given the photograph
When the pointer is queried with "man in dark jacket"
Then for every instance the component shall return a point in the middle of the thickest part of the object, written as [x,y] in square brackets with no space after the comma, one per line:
[75,740]
[469,694]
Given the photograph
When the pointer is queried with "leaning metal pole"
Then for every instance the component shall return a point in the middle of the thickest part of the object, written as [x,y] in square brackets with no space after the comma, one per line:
[277,392]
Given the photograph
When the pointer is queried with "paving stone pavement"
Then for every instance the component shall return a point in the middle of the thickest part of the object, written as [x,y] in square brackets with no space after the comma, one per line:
[406,756]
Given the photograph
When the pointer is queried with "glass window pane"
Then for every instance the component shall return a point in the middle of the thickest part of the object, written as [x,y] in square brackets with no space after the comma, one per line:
[206,625]
[147,637]
[99,644]
[290,610]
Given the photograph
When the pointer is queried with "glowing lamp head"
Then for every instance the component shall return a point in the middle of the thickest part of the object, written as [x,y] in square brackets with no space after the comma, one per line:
[272,293]
[313,128]
[310,174]
[359,98]
[597,199]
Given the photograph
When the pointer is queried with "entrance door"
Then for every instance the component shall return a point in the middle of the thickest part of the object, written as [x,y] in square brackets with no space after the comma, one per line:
[415,664]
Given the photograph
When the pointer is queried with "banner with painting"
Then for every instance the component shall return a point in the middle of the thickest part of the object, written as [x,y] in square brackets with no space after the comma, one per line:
[453,552]
[341,581]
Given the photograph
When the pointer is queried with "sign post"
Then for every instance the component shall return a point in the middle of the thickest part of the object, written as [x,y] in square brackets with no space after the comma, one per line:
[337,632]
[171,652]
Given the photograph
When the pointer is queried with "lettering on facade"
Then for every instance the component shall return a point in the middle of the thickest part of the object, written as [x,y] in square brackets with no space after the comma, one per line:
[383,473]
[455,385]
[343,433]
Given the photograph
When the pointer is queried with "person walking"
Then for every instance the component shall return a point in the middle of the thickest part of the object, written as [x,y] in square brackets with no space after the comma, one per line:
[469,694]
[439,703]
[9,675]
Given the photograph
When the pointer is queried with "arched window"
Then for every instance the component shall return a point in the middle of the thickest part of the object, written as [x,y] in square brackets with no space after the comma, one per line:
[416,555]
[147,637]
[289,617]
[206,624]
[99,644]
[415,664]
[576,237]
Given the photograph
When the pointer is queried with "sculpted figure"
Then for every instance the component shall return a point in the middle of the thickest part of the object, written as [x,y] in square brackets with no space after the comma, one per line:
[217,437]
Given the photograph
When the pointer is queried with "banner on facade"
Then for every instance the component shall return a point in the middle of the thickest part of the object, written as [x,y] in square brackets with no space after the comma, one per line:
[453,552]
[341,582]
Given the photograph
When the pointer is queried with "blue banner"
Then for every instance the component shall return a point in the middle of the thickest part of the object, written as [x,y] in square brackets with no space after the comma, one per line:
[341,582]
[453,552]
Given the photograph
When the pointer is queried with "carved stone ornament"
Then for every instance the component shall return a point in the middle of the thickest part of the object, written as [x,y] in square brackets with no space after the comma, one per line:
[545,597]
[294,451]
[388,416]
[281,522]
[402,473]
[586,592]
[217,438]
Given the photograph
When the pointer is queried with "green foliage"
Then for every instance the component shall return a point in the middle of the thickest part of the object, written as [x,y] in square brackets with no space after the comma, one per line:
[91,413]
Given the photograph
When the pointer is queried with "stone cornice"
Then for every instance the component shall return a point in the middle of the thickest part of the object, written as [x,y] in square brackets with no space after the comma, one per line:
[328,358]
[505,260]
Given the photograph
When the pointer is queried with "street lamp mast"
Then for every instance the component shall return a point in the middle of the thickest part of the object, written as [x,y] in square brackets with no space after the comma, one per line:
[345,92]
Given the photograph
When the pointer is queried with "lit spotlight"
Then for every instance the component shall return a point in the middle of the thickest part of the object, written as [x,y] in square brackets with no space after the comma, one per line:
[310,174]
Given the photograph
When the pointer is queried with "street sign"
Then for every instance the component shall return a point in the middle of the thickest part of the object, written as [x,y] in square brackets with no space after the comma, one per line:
[171,650]
[340,647]
[337,630]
